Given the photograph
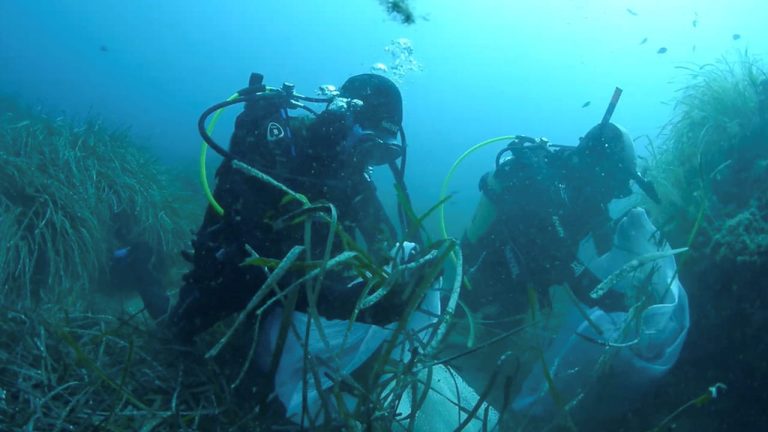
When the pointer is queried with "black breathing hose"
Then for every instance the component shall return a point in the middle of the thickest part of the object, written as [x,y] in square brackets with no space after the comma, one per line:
[204,118]
[245,95]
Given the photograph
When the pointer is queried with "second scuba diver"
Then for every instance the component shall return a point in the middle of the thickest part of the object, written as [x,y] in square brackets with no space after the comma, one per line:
[543,228]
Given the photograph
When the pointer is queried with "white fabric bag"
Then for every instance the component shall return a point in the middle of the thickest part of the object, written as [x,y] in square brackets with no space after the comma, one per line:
[344,355]
[643,349]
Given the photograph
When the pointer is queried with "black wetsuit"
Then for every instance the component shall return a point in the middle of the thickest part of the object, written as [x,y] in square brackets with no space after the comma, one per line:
[534,238]
[305,154]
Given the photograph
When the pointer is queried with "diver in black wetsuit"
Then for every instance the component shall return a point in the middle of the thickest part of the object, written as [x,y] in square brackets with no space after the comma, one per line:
[535,209]
[326,158]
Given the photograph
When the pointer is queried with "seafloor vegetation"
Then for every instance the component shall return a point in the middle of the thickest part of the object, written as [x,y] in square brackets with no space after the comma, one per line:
[73,192]
[711,168]
[70,194]
[712,174]
[71,359]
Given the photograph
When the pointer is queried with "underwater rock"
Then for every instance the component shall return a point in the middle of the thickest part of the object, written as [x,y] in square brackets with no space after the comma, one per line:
[743,238]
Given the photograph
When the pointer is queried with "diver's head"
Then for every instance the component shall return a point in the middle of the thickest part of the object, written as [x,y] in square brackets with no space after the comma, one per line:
[377,122]
[606,160]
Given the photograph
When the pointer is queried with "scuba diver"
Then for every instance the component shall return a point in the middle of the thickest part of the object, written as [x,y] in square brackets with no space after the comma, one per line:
[536,207]
[327,158]
[542,240]
[318,168]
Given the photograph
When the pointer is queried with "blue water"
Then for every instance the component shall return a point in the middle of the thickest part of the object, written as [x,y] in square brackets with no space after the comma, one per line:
[489,67]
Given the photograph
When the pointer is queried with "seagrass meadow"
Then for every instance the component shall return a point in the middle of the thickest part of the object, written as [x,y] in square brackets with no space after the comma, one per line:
[72,192]
[75,355]
[78,354]
[711,171]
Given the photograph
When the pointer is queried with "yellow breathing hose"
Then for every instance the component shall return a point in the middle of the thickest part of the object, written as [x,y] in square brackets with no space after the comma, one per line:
[443,192]
[203,152]
[444,188]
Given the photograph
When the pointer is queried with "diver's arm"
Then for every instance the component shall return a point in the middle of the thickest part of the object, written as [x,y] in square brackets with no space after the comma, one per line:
[339,298]
[646,336]
[372,222]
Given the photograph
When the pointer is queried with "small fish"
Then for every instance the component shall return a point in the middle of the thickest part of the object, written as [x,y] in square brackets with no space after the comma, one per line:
[586,104]
[103,48]
[631,12]
[736,36]
[661,50]
[693,48]
[644,41]
[695,22]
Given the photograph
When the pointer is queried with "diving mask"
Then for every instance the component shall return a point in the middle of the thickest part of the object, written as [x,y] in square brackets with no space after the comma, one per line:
[378,146]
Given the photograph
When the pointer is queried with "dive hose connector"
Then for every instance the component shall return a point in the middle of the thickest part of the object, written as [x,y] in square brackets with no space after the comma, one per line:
[289,89]
[519,142]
